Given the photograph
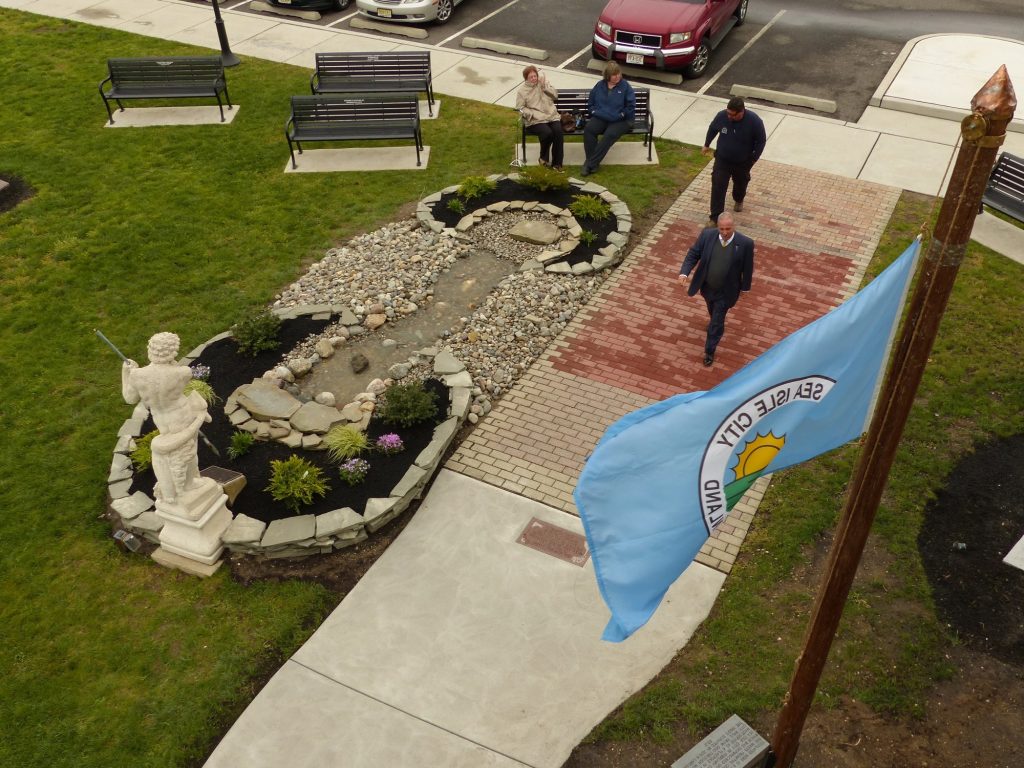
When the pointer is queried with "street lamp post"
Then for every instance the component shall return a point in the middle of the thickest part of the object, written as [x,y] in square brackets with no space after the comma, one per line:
[226,56]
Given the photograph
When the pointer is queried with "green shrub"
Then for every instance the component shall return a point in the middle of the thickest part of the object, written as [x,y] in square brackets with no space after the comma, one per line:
[241,442]
[344,442]
[587,237]
[142,456]
[257,331]
[456,206]
[204,389]
[476,186]
[408,404]
[543,178]
[296,482]
[590,207]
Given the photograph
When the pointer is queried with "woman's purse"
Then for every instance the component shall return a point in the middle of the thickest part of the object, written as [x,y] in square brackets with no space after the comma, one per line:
[568,122]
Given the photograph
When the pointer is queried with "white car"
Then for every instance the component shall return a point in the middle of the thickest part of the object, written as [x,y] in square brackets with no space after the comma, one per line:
[408,11]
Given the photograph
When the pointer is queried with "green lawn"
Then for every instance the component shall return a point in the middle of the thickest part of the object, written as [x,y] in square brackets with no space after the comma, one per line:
[108,659]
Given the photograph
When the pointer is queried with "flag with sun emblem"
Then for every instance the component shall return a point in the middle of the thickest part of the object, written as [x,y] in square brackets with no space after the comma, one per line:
[663,478]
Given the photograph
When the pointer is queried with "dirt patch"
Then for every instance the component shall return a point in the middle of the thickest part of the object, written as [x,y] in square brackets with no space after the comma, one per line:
[14,190]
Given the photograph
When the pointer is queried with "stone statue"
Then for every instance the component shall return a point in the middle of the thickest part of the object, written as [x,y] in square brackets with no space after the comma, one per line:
[160,386]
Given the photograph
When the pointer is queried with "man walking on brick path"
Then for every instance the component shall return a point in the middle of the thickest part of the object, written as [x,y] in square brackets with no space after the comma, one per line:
[741,140]
[725,265]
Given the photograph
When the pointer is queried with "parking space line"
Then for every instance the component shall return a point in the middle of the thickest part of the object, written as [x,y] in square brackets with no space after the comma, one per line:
[704,88]
[573,58]
[464,30]
[352,15]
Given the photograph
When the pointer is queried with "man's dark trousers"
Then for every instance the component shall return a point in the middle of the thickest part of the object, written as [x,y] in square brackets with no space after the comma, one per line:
[718,306]
[721,173]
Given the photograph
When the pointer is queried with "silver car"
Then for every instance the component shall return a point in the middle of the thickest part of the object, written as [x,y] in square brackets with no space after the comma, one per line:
[408,11]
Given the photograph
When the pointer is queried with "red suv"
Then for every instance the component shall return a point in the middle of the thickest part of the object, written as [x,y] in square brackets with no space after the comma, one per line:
[666,34]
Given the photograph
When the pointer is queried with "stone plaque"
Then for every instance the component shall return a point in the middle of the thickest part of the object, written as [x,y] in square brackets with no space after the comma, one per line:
[555,541]
[733,744]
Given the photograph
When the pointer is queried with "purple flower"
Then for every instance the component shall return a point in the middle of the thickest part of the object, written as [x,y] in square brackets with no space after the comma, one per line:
[200,371]
[354,471]
[389,443]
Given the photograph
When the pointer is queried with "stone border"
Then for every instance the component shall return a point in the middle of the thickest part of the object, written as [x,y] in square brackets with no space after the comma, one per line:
[301,535]
[549,261]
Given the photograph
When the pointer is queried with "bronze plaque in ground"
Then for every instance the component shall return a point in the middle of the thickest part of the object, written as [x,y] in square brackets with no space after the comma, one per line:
[557,542]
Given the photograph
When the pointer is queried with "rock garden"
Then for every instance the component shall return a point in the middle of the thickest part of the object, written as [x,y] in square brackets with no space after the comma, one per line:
[332,409]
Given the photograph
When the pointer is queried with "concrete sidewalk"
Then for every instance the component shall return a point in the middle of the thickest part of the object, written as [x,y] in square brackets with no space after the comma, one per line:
[463,647]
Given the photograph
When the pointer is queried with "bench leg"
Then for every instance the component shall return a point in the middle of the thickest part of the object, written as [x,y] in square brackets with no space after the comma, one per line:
[110,115]
[430,100]
[524,145]
[291,150]
[419,146]
[221,107]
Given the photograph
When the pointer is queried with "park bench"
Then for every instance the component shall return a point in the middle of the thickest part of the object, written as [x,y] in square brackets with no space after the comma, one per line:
[166,77]
[1005,189]
[353,117]
[574,101]
[394,72]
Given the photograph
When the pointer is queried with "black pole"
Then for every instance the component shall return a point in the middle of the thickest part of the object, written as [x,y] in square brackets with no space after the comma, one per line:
[226,56]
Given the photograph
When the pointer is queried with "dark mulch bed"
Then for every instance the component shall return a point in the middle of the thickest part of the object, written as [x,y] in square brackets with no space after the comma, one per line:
[228,370]
[968,529]
[16,191]
[509,190]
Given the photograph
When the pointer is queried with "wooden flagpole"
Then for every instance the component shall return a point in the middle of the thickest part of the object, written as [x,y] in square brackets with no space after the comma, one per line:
[983,131]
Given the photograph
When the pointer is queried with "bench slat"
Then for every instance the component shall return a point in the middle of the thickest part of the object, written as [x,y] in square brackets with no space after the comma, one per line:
[397,71]
[1005,189]
[168,77]
[352,117]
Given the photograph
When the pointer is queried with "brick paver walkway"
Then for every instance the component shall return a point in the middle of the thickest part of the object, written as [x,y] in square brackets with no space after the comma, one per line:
[641,339]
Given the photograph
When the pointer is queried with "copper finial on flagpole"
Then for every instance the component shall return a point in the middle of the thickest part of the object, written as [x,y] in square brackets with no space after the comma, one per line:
[983,131]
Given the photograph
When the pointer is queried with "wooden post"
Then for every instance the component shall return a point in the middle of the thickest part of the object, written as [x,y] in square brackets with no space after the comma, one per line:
[983,131]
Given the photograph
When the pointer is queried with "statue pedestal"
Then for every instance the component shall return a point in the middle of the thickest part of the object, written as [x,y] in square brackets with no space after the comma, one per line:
[194,526]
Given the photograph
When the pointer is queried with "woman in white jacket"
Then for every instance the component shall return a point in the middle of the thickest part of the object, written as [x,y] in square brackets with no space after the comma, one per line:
[535,101]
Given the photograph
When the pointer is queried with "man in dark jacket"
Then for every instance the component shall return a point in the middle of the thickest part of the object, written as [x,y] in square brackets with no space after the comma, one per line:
[741,140]
[725,265]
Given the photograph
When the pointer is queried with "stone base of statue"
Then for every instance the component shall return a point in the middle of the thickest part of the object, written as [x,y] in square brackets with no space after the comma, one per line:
[194,526]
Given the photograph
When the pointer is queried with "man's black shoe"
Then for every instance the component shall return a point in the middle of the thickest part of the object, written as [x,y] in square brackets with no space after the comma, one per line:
[708,360]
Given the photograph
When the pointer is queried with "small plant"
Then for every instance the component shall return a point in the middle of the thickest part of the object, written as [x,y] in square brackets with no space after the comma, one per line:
[241,442]
[476,186]
[257,331]
[389,443]
[407,404]
[345,442]
[296,482]
[204,389]
[142,456]
[456,206]
[589,207]
[354,471]
[543,178]
[200,371]
[587,237]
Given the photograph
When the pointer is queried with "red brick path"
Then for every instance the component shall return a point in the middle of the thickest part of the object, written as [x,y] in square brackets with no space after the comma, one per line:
[641,339]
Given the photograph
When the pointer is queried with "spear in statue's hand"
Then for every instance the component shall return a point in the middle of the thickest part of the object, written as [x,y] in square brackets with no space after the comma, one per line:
[109,343]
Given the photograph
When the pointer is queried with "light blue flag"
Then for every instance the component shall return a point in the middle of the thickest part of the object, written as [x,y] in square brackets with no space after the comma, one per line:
[662,478]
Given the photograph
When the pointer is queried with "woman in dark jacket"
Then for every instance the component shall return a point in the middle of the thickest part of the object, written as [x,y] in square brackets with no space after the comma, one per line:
[612,106]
